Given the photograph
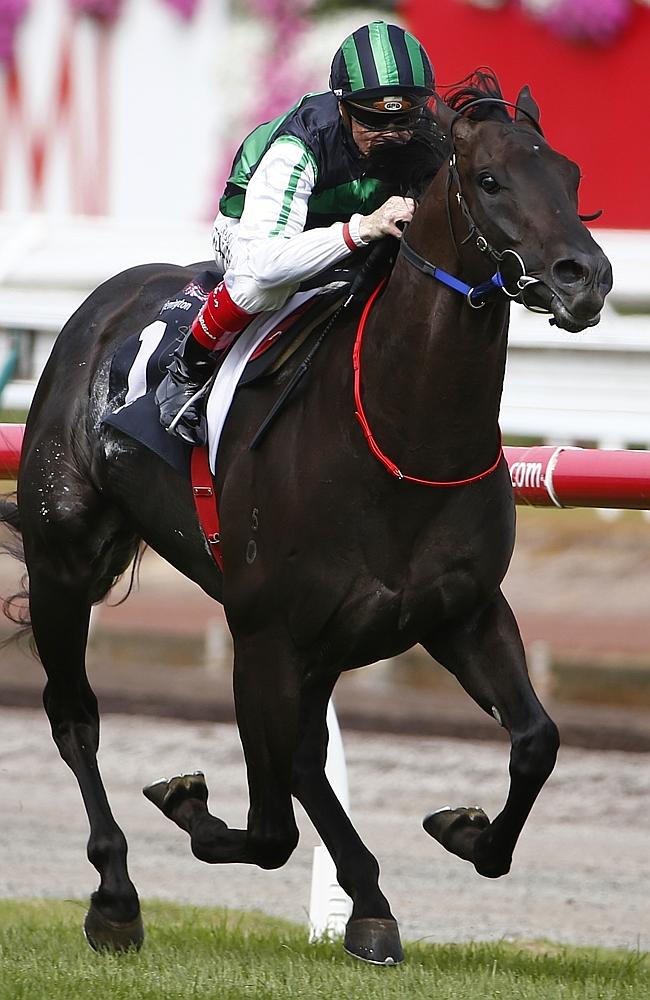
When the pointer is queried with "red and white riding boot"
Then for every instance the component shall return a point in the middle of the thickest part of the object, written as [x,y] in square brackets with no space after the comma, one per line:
[181,394]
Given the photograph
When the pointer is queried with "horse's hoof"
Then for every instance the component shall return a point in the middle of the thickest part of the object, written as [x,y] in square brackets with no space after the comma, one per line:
[166,793]
[374,941]
[107,935]
[457,829]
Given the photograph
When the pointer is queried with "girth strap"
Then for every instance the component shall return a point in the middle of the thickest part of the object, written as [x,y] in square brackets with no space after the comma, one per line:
[205,501]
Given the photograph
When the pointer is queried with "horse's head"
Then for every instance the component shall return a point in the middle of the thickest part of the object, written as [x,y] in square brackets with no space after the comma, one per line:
[513,192]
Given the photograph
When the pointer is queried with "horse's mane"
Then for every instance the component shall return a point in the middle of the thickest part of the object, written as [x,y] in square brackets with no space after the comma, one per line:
[479,84]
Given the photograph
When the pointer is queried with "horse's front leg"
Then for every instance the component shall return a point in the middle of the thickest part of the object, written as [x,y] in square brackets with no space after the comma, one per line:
[267,697]
[371,933]
[487,656]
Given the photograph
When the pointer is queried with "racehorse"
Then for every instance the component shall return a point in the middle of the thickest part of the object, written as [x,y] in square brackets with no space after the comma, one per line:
[380,507]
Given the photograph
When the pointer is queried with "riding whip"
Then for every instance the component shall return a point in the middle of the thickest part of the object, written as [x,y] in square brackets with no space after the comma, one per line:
[383,249]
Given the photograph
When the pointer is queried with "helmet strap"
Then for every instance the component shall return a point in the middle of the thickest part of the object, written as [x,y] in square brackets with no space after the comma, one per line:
[347,120]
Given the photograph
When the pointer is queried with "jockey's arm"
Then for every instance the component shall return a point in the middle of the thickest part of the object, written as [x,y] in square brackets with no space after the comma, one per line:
[272,225]
[280,251]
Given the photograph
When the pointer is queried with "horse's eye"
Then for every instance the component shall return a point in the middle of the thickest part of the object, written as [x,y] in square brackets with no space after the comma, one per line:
[488,183]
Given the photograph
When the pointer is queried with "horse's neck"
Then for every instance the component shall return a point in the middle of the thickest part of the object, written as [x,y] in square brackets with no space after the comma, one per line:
[432,367]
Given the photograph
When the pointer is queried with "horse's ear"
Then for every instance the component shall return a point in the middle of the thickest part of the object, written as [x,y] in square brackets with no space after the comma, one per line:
[463,130]
[444,115]
[528,106]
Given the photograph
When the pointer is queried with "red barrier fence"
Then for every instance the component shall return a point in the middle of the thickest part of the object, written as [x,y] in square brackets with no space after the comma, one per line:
[541,476]
[11,441]
[580,477]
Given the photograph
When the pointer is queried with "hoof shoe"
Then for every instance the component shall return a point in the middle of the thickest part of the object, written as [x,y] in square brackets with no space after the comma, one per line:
[107,935]
[167,792]
[374,941]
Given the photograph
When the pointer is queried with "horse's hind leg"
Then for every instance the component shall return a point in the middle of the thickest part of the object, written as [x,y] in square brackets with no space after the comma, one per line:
[267,694]
[72,559]
[487,657]
[371,932]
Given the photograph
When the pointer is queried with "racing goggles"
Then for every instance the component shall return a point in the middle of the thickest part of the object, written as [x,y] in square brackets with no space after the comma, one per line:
[388,114]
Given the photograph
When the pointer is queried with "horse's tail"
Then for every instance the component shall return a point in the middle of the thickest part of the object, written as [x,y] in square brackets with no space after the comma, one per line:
[16,606]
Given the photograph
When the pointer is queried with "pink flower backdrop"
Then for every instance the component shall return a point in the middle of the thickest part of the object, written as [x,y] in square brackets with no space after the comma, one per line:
[13,11]
[584,21]
[596,22]
[287,21]
[590,22]
[280,81]
[11,14]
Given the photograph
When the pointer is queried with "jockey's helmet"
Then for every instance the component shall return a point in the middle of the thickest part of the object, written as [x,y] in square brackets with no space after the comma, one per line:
[383,76]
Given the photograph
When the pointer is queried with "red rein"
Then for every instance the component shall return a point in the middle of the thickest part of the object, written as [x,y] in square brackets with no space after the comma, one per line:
[361,416]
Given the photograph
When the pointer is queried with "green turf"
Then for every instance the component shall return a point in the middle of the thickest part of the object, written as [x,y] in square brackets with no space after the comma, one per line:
[205,953]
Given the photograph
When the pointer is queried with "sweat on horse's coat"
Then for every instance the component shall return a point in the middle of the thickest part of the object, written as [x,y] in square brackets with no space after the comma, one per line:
[330,562]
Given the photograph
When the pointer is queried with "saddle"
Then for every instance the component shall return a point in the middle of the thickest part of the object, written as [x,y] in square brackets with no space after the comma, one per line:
[293,333]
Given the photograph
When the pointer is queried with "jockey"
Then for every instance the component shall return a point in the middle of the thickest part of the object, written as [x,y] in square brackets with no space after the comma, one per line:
[298,201]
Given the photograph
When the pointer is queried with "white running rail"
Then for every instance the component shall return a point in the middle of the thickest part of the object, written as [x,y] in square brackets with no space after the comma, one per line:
[330,906]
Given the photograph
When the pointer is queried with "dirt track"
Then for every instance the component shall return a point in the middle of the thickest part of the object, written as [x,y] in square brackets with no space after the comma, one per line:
[581,872]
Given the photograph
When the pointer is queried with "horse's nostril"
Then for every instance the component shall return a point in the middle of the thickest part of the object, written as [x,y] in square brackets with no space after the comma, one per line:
[569,272]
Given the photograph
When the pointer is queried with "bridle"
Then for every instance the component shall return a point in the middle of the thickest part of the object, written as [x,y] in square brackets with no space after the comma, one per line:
[476,295]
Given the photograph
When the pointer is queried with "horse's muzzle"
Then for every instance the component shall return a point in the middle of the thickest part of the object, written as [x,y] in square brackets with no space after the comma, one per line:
[574,292]
[565,319]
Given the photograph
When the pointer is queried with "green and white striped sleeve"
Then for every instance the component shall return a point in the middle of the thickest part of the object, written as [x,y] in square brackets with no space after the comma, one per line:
[280,251]
[278,192]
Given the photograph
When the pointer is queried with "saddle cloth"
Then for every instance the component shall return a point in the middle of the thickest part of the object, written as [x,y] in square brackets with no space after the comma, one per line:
[141,362]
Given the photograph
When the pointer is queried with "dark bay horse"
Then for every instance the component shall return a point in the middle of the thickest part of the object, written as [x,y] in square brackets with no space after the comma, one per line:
[355,560]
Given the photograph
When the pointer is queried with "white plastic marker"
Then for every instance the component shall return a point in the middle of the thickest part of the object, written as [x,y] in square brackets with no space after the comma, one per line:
[330,906]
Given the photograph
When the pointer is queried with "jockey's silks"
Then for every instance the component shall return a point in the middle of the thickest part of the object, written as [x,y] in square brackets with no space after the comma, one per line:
[341,188]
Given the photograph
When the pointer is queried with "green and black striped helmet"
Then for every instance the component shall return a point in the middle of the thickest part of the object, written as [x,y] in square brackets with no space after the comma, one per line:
[380,59]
